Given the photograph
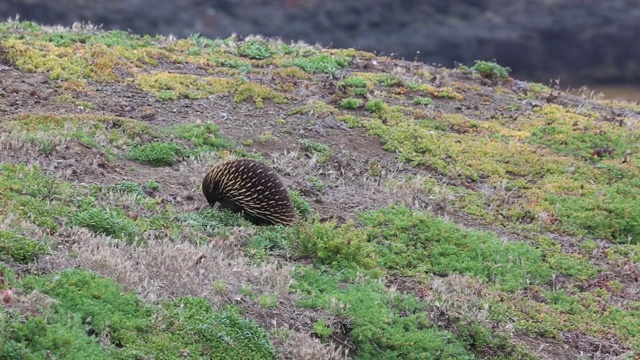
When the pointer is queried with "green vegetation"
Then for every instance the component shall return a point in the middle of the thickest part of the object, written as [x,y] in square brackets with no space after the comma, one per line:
[375,106]
[128,187]
[321,151]
[168,86]
[350,103]
[204,137]
[554,178]
[49,132]
[19,248]
[385,324]
[92,317]
[321,329]
[411,242]
[213,221]
[302,206]
[407,243]
[354,81]
[319,63]
[256,49]
[452,147]
[342,247]
[157,154]
[33,196]
[316,184]
[490,70]
[419,100]
[111,222]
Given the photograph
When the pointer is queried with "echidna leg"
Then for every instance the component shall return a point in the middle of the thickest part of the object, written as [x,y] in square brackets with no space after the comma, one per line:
[256,220]
[230,205]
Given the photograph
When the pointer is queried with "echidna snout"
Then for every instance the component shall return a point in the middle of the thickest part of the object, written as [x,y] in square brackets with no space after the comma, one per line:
[251,188]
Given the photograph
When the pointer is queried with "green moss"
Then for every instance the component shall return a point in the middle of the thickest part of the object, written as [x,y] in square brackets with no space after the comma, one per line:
[70,55]
[169,86]
[258,93]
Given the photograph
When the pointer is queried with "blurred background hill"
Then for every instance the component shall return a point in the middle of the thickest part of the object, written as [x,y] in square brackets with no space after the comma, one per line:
[578,42]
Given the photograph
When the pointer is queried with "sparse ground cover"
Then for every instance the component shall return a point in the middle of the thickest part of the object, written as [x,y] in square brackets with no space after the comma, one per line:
[445,213]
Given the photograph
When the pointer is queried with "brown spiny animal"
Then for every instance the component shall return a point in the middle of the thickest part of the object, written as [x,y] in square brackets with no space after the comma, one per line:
[251,188]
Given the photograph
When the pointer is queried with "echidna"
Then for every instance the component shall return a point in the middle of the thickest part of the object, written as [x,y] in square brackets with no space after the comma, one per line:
[251,188]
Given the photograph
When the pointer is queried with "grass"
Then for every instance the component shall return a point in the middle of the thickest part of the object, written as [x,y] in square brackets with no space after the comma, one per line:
[490,70]
[51,204]
[558,182]
[399,241]
[94,317]
[49,132]
[213,221]
[34,196]
[425,101]
[350,103]
[256,49]
[452,147]
[385,324]
[321,151]
[204,137]
[19,248]
[412,242]
[110,222]
[157,154]
[323,63]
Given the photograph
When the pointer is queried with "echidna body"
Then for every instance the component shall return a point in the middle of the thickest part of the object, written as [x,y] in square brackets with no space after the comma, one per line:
[251,188]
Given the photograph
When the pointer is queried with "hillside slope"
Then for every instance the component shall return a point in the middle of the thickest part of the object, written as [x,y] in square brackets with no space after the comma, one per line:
[576,41]
[447,213]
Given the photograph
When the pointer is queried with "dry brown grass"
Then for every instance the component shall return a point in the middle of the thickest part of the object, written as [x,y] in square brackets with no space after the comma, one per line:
[18,148]
[299,345]
[349,184]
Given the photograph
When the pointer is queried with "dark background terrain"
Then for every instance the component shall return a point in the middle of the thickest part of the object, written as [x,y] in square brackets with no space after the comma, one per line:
[576,41]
